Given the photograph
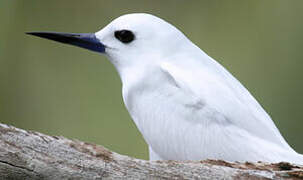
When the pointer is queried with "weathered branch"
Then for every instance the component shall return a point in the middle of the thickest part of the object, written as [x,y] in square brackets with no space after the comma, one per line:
[32,155]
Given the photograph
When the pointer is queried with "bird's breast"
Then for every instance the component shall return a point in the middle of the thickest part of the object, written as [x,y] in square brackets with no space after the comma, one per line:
[158,108]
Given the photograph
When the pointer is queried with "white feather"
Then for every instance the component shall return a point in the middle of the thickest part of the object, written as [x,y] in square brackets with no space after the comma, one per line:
[185,104]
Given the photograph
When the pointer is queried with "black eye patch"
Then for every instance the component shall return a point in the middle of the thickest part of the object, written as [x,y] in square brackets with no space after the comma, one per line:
[125,36]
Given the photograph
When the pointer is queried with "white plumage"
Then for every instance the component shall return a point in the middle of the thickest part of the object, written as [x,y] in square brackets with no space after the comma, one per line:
[185,104]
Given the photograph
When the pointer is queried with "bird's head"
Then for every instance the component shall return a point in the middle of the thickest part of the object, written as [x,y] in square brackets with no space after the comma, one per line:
[130,39]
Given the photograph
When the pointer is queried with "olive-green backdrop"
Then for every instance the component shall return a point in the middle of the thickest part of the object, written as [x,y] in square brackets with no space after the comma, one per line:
[63,90]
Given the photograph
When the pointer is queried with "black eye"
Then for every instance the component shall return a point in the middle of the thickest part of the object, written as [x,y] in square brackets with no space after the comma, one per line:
[125,36]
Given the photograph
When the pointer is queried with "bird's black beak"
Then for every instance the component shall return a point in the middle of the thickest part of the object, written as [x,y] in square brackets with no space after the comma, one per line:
[84,40]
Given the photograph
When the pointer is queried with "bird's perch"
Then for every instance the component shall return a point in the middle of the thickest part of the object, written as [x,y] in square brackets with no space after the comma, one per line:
[31,155]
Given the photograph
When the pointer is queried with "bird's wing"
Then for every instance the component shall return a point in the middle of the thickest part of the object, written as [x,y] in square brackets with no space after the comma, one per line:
[216,91]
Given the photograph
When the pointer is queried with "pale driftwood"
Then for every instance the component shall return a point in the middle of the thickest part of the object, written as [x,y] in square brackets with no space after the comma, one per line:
[31,155]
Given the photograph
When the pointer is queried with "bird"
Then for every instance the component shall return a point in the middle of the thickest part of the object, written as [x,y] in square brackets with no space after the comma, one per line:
[186,105]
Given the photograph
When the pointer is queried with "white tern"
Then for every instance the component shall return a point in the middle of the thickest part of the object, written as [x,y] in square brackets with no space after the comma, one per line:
[186,105]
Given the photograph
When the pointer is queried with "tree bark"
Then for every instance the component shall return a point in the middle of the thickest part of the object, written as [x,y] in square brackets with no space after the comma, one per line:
[32,155]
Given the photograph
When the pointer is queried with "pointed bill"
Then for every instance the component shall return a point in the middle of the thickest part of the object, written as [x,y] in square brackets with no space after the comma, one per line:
[84,40]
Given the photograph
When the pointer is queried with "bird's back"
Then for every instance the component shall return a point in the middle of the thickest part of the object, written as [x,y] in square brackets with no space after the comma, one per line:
[191,108]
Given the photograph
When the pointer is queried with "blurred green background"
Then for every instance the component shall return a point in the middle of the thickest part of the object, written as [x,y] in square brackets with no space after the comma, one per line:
[63,90]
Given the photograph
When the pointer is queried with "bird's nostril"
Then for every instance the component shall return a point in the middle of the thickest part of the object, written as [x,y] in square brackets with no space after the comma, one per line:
[75,35]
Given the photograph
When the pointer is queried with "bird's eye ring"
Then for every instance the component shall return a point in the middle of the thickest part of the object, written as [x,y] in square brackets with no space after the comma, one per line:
[125,36]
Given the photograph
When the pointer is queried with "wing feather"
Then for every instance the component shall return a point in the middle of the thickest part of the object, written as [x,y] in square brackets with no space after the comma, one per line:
[225,97]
